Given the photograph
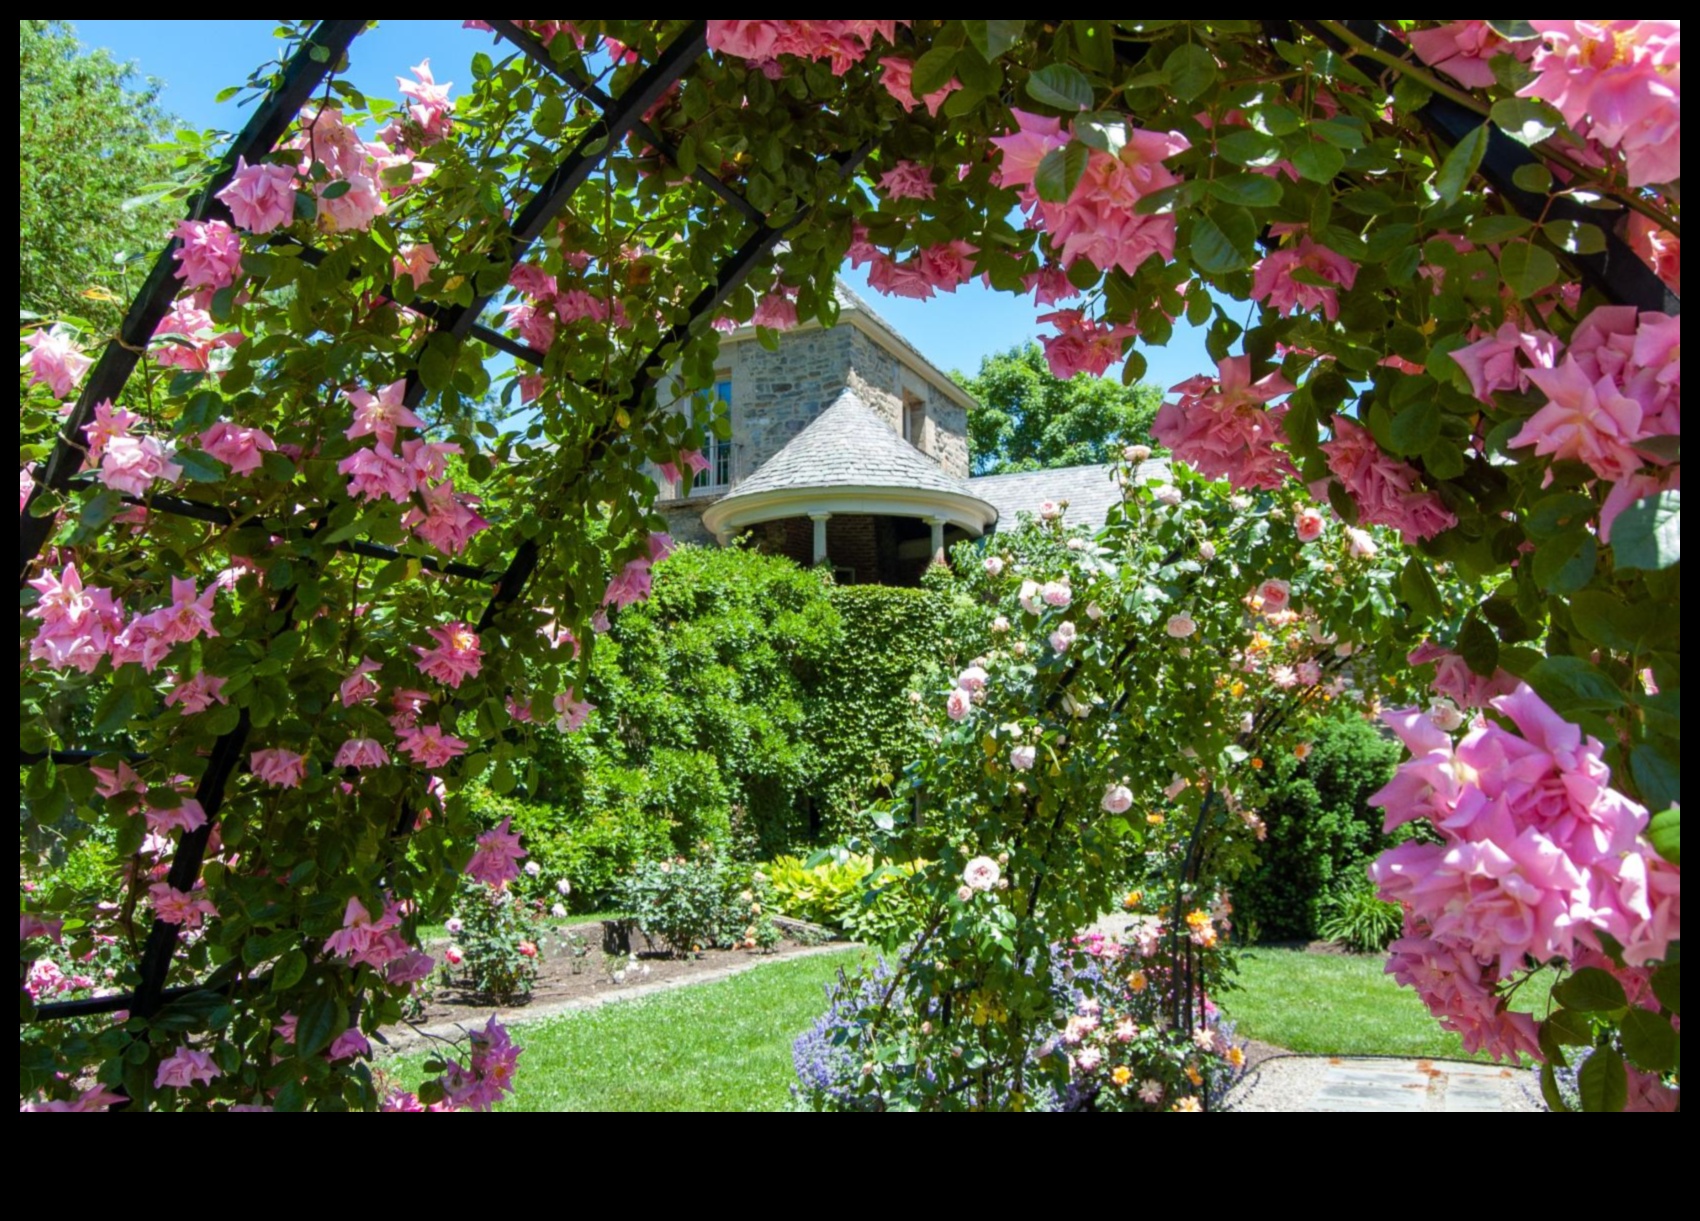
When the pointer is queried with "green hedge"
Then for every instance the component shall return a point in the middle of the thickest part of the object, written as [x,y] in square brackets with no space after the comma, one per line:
[1322,831]
[749,706]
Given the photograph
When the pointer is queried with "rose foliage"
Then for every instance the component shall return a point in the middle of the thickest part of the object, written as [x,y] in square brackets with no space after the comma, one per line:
[1410,333]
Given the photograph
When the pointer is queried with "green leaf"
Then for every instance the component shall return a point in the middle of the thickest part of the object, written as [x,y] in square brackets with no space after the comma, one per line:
[1664,832]
[337,189]
[1649,1041]
[1610,621]
[1591,990]
[1575,237]
[548,117]
[289,970]
[1318,162]
[199,466]
[1253,148]
[1603,1081]
[1565,563]
[1667,986]
[436,368]
[1058,86]
[1247,190]
[1527,269]
[1549,1088]
[1534,178]
[1657,775]
[323,1017]
[1514,31]
[1417,588]
[1222,241]
[1492,230]
[1341,133]
[1571,685]
[1191,70]
[1479,647]
[992,38]
[1059,170]
[933,70]
[1556,514]
[1648,534]
[1526,120]
[1416,427]
[1460,165]
[1567,1029]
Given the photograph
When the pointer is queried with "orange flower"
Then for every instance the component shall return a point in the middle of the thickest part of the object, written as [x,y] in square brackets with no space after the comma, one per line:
[1301,751]
[1236,1057]
[1187,1104]
[1132,900]
[1137,981]
[1256,764]
[1193,1075]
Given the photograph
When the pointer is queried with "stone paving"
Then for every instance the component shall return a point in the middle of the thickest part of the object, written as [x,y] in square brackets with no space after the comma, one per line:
[1337,1083]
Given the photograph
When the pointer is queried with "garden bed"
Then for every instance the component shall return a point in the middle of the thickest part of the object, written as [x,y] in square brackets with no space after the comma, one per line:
[572,967]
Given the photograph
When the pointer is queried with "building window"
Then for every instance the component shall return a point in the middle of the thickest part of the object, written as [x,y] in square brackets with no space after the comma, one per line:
[915,422]
[718,476]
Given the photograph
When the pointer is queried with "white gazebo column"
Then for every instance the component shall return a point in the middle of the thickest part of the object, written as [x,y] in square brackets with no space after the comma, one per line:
[937,523]
[820,520]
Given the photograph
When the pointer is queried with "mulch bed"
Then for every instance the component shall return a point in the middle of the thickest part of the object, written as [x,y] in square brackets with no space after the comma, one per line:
[564,977]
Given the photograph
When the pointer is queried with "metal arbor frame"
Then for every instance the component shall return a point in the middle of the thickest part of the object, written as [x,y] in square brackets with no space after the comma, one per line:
[323,47]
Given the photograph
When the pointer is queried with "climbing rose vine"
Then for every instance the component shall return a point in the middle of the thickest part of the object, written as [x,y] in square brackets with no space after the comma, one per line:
[1437,266]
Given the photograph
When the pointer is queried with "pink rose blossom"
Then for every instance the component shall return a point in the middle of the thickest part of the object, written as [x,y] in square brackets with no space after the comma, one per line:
[184,1068]
[1462,49]
[897,76]
[55,361]
[571,712]
[1063,636]
[209,254]
[1386,491]
[1275,595]
[416,262]
[972,679]
[958,704]
[241,449]
[1181,626]
[631,584]
[456,656]
[1221,427]
[1309,524]
[431,106]
[348,1045]
[495,862]
[187,815]
[284,768]
[430,747]
[1022,758]
[361,753]
[260,197]
[179,907]
[197,694]
[1273,282]
[907,180]
[1118,799]
[380,414]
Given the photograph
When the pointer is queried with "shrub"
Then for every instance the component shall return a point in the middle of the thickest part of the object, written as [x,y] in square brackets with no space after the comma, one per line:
[591,847]
[680,902]
[1322,831]
[499,935]
[1357,917]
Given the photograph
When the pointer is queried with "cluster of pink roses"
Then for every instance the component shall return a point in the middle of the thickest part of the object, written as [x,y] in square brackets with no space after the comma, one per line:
[1618,83]
[378,943]
[1538,856]
[488,1075]
[843,44]
[1221,426]
[448,521]
[941,267]
[128,462]
[80,626]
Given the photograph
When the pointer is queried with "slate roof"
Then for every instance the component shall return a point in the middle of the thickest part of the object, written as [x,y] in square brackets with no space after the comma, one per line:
[1089,490]
[849,445]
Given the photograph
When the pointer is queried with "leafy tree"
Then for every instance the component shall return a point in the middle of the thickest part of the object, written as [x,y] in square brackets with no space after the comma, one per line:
[84,130]
[1029,420]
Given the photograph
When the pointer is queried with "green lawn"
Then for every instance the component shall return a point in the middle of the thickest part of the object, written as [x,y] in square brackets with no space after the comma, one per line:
[724,1046]
[1341,1004]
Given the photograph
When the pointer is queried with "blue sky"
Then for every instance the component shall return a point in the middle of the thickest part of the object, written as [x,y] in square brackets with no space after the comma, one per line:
[193,60]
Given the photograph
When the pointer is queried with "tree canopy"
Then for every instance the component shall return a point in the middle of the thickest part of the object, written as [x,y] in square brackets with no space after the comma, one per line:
[85,127]
[1029,419]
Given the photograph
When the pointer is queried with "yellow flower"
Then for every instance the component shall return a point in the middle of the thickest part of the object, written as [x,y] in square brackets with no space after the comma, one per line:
[1122,1074]
[1193,1075]
[1236,689]
[1137,981]
[1187,1104]
[1198,919]
[1236,1057]
[1155,819]
[1132,900]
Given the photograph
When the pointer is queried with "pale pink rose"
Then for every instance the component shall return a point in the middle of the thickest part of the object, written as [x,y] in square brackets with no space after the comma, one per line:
[1000,624]
[963,894]
[1063,637]
[1309,524]
[1207,551]
[360,753]
[1056,593]
[1136,453]
[1181,626]
[185,1067]
[958,703]
[1028,596]
[454,925]
[1362,545]
[981,873]
[56,361]
[1022,758]
[1118,799]
[972,679]
[994,565]
[1275,594]
[1049,510]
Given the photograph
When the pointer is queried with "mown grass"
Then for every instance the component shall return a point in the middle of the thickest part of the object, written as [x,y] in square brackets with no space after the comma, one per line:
[1340,1004]
[723,1046]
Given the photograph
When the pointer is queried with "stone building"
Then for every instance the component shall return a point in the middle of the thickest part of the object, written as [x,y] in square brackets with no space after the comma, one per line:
[848,447]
